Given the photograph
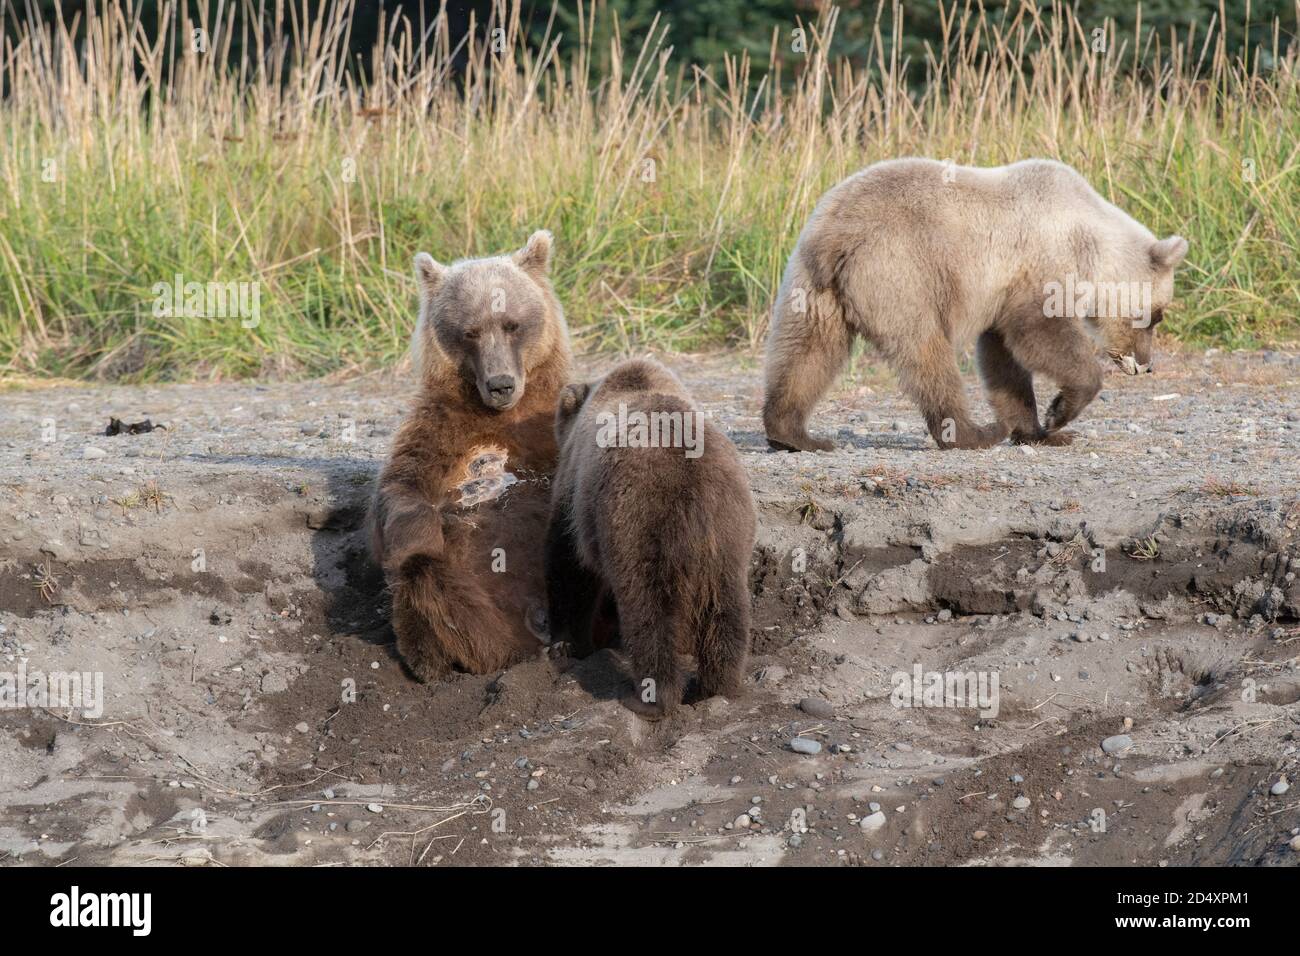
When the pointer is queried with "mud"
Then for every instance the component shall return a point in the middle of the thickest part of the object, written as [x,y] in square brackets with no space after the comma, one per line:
[1141,582]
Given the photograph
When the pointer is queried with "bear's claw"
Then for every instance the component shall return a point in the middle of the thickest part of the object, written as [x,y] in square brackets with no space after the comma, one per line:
[486,478]
[804,442]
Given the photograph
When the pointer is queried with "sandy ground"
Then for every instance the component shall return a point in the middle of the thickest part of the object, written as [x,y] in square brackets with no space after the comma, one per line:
[1140,583]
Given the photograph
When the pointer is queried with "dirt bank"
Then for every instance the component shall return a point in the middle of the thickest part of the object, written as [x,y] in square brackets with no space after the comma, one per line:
[1142,582]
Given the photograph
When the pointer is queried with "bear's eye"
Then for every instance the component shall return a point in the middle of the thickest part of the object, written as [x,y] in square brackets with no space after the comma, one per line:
[471,334]
[511,327]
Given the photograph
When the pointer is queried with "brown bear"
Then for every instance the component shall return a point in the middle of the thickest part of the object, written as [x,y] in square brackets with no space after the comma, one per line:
[650,502]
[460,512]
[922,258]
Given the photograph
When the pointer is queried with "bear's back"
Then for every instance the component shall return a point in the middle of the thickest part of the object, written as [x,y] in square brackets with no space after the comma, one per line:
[925,193]
[985,224]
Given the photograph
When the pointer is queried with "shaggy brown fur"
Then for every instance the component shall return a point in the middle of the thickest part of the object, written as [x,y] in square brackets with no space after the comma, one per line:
[922,258]
[669,536]
[465,488]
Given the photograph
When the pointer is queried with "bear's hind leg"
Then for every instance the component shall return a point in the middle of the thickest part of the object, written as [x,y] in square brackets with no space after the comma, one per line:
[723,643]
[650,642]
[929,374]
[805,351]
[1009,387]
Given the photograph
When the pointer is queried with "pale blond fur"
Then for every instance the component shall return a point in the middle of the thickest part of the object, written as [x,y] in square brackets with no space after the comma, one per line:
[925,258]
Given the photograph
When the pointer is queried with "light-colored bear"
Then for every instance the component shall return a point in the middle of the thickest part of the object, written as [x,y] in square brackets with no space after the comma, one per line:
[924,258]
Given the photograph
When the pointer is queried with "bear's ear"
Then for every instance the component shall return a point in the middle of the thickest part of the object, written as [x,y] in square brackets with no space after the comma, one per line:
[1168,253]
[429,273]
[535,257]
[572,398]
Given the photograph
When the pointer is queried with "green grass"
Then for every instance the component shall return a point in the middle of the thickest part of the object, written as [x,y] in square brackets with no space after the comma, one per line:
[241,178]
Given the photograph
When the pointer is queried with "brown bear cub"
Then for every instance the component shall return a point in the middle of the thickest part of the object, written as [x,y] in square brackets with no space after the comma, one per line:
[461,509]
[650,502]
[1026,262]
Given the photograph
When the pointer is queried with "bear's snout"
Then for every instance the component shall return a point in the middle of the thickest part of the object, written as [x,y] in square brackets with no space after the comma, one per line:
[1132,366]
[500,390]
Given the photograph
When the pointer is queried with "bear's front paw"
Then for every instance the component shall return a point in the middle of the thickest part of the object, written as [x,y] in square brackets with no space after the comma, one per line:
[800,442]
[975,437]
[488,461]
[1057,439]
[1050,439]
[485,477]
[646,710]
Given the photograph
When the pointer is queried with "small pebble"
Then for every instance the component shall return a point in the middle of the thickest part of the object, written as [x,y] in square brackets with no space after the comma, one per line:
[817,707]
[802,745]
[1117,744]
[873,822]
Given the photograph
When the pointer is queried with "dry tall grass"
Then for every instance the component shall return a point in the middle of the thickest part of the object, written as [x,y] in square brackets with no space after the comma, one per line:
[675,194]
